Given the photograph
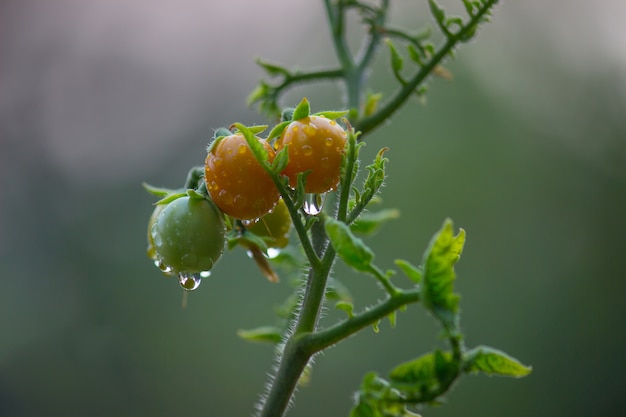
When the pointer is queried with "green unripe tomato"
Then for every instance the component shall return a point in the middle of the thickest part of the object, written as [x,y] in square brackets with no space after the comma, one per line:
[188,235]
[151,252]
[274,226]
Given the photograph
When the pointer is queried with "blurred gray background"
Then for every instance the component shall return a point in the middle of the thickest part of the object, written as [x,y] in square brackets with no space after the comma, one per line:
[525,148]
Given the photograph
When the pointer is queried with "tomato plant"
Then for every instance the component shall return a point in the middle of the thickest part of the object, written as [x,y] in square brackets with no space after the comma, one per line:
[246,178]
[236,181]
[315,144]
[188,235]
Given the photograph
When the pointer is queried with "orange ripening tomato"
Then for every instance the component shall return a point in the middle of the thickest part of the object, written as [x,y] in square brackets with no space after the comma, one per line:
[235,180]
[316,144]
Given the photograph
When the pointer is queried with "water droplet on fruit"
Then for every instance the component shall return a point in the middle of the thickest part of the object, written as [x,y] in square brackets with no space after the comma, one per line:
[166,269]
[241,149]
[328,142]
[189,282]
[310,130]
[240,200]
[225,197]
[156,236]
[313,204]
[307,150]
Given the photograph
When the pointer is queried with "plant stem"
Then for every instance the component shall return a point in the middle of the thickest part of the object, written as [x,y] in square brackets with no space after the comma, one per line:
[386,111]
[321,340]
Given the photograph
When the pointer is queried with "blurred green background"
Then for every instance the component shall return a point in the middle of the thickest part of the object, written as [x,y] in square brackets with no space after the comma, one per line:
[525,148]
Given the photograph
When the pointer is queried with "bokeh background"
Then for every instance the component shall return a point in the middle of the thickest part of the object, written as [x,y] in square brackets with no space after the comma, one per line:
[525,148]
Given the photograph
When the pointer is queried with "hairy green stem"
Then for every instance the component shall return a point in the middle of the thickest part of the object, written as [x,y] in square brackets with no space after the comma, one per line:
[322,339]
[386,111]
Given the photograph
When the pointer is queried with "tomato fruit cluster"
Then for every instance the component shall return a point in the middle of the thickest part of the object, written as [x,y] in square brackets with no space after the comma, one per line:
[236,181]
[315,144]
[187,235]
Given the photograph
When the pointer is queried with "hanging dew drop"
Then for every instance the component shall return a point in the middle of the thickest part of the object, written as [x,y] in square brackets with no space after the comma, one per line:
[313,204]
[189,282]
[272,252]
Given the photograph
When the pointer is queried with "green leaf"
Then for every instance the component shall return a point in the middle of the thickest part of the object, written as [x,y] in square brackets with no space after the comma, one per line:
[490,361]
[438,283]
[426,373]
[263,334]
[415,55]
[259,93]
[345,306]
[397,62]
[281,159]
[272,69]
[369,222]
[371,103]
[439,14]
[302,110]
[257,148]
[350,248]
[393,318]
[332,115]
[411,271]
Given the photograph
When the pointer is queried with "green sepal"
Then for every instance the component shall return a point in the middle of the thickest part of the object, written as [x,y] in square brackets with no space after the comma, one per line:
[350,248]
[438,294]
[369,222]
[278,130]
[159,191]
[257,148]
[194,195]
[248,238]
[302,110]
[287,114]
[490,361]
[170,197]
[332,115]
[411,271]
[281,159]
[272,70]
[310,221]
[299,193]
[263,334]
[257,129]
[221,132]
